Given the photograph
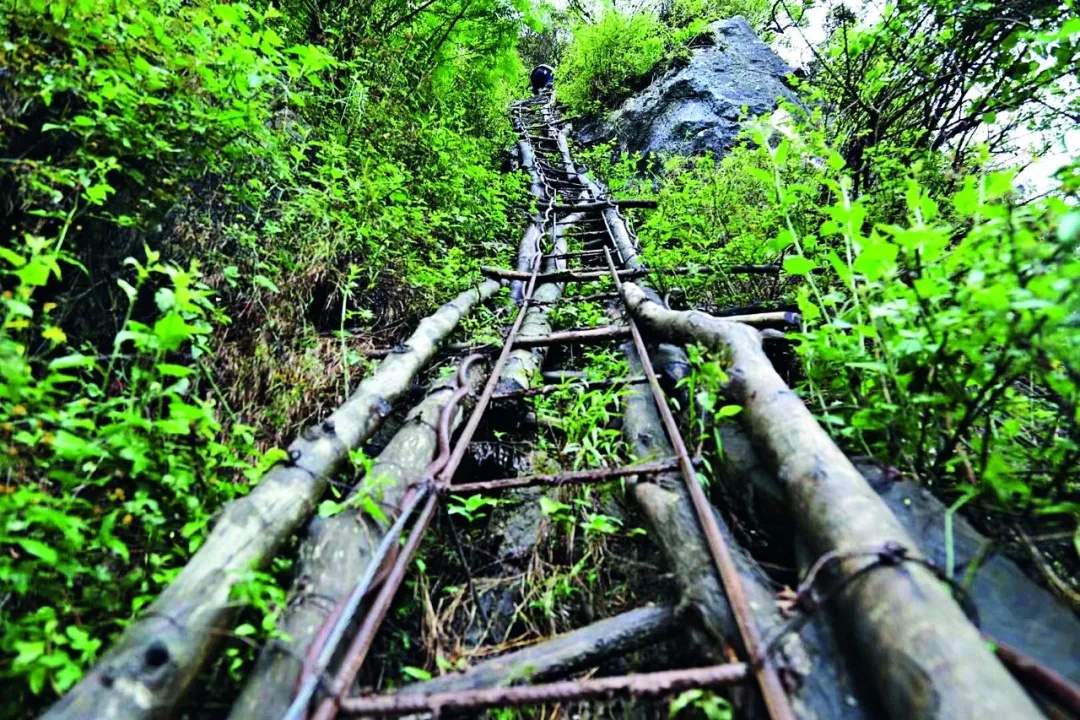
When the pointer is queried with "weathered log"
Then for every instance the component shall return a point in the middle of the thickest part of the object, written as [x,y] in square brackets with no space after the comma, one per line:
[156,658]
[563,655]
[674,527]
[746,477]
[1011,606]
[531,240]
[1032,631]
[626,249]
[523,364]
[824,690]
[528,249]
[925,659]
[528,161]
[564,151]
[336,553]
[766,318]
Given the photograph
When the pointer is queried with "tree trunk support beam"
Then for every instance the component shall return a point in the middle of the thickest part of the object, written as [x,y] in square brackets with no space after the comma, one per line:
[923,655]
[158,656]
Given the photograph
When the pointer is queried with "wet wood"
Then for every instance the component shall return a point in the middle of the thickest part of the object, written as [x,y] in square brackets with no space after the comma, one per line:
[157,657]
[336,553]
[528,249]
[824,689]
[524,363]
[528,162]
[924,657]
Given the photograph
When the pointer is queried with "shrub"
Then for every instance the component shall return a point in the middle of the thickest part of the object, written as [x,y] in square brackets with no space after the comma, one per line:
[602,59]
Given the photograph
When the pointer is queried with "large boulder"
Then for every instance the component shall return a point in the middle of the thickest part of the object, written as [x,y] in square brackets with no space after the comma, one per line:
[698,106]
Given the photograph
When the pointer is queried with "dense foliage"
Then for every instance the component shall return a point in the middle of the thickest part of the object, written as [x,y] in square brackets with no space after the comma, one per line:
[939,302]
[205,207]
[944,80]
[210,210]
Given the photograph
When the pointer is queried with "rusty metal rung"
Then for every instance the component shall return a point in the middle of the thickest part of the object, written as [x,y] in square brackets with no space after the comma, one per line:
[555,387]
[577,477]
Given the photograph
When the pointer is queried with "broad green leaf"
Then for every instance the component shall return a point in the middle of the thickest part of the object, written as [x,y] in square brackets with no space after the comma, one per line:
[798,265]
[39,549]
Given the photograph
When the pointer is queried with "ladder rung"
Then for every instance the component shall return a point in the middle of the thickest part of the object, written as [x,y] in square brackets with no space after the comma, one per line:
[597,334]
[589,207]
[577,477]
[554,387]
[592,297]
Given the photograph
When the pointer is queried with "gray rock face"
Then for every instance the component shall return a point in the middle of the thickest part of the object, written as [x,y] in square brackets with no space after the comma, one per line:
[698,107]
[1011,607]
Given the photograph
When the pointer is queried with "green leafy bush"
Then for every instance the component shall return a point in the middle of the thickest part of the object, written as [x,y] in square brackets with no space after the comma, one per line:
[940,326]
[945,341]
[320,163]
[603,58]
[114,465]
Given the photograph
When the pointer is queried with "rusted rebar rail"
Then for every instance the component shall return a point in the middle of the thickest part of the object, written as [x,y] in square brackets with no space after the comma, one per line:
[359,648]
[640,685]
[767,318]
[422,500]
[772,690]
[1036,674]
[571,255]
[598,334]
[899,615]
[558,276]
[555,387]
[385,550]
[591,297]
[629,274]
[589,206]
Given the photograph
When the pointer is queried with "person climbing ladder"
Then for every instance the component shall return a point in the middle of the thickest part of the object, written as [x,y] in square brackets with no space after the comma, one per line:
[541,78]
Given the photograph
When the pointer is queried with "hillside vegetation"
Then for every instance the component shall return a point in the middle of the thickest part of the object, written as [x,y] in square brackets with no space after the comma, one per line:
[214,212]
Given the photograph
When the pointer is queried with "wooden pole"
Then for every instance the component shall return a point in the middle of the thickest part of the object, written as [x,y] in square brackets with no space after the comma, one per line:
[924,657]
[157,657]
[336,553]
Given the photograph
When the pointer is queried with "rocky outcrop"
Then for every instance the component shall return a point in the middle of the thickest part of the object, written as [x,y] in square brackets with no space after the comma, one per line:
[698,106]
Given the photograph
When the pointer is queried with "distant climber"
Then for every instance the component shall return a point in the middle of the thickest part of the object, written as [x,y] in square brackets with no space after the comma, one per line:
[541,78]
